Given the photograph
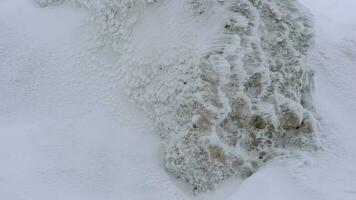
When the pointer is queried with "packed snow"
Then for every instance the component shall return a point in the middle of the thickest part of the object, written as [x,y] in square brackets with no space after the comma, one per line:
[68,130]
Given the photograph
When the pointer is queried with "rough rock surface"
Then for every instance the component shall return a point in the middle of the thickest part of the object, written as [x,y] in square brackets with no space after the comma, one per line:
[245,101]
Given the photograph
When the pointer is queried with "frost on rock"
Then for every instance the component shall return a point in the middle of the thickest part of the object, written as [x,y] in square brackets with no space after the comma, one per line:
[245,101]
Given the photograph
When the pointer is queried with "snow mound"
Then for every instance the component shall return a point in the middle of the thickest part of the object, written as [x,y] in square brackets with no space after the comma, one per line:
[225,81]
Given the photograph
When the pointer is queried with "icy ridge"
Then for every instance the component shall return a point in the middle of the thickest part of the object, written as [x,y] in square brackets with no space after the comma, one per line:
[245,101]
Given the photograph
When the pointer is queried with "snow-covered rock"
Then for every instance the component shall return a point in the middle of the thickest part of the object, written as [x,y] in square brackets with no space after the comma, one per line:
[224,80]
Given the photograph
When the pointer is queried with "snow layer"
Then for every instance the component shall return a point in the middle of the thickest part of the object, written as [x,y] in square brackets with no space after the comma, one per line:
[68,132]
[226,97]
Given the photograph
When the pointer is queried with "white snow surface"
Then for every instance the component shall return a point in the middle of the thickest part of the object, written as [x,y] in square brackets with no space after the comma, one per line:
[225,81]
[67,131]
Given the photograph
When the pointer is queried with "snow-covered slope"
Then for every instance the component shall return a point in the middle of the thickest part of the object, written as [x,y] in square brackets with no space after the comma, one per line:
[333,173]
[67,131]
[225,81]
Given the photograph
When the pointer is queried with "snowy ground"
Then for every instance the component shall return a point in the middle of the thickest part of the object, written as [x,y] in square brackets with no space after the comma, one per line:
[66,129]
[68,132]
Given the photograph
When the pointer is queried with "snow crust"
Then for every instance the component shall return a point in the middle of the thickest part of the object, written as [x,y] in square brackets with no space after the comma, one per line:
[224,81]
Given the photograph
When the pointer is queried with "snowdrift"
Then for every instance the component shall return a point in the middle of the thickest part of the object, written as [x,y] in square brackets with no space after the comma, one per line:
[225,81]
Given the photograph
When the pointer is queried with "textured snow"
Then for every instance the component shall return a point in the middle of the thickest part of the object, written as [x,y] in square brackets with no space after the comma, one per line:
[226,97]
[68,132]
[329,174]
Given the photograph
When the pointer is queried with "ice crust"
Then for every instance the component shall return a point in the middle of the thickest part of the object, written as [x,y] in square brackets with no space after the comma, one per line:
[227,111]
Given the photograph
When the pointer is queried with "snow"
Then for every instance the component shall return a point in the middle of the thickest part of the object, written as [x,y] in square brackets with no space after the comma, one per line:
[219,113]
[331,173]
[67,131]
[195,100]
